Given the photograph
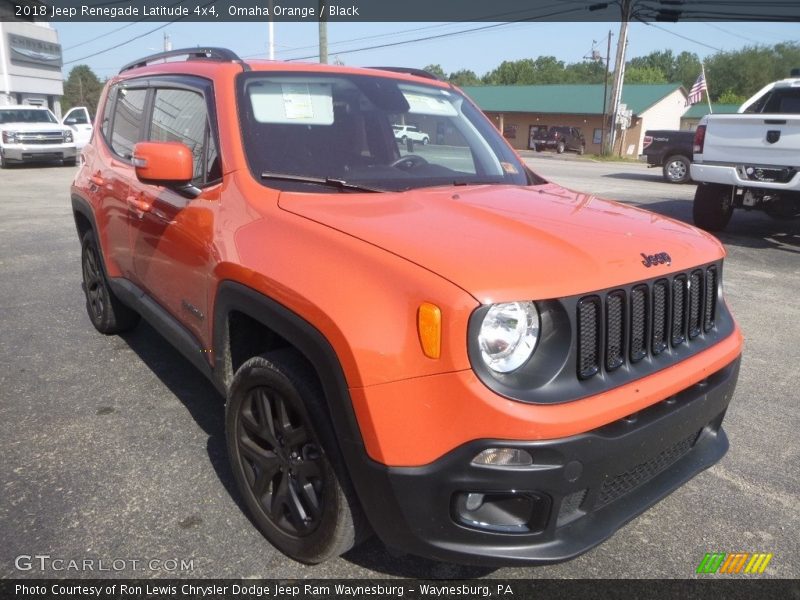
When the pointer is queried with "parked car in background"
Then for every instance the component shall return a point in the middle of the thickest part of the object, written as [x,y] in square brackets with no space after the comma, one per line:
[410,132]
[560,139]
[80,122]
[32,134]
[750,160]
[671,150]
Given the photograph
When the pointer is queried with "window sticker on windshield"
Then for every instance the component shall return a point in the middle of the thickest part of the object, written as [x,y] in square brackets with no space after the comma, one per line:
[509,168]
[299,103]
[424,104]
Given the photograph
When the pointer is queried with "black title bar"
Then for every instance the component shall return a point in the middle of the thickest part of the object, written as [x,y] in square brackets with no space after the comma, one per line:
[397,10]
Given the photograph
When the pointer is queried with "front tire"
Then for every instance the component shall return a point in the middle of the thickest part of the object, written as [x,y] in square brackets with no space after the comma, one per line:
[560,148]
[713,206]
[286,461]
[106,312]
[676,169]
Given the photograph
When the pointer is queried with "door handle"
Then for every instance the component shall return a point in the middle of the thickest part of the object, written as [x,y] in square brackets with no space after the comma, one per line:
[139,205]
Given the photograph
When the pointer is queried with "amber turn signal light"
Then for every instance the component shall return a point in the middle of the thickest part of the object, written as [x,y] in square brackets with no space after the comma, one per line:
[429,326]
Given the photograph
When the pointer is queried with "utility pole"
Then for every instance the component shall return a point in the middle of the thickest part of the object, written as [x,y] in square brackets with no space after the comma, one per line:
[619,69]
[323,35]
[271,32]
[605,97]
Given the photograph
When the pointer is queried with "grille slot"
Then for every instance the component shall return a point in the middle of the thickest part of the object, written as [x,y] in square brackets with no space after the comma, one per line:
[623,483]
[615,334]
[589,336]
[711,297]
[660,316]
[625,326]
[638,323]
[695,297]
[678,310]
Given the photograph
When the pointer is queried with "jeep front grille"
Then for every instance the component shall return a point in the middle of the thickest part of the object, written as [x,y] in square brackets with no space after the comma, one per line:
[630,324]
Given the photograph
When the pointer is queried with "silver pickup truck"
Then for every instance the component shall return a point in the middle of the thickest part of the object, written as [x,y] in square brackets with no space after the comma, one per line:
[750,160]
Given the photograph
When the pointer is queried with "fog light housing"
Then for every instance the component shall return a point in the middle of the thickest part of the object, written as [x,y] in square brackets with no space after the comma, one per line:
[503,457]
[502,512]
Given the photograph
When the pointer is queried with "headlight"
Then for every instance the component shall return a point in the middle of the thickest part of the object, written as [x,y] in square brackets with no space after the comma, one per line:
[68,136]
[508,335]
[9,137]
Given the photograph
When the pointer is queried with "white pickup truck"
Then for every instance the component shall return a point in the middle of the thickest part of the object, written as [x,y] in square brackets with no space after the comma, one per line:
[750,160]
[33,134]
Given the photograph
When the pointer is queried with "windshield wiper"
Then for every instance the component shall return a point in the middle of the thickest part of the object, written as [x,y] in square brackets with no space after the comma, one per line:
[327,181]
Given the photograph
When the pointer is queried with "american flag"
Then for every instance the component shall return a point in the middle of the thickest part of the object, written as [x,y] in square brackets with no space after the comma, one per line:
[696,93]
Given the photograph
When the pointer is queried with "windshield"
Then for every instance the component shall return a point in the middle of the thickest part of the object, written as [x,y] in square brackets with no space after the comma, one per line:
[26,115]
[374,132]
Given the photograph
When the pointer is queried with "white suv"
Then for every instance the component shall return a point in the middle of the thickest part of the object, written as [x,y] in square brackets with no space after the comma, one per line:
[32,133]
[409,132]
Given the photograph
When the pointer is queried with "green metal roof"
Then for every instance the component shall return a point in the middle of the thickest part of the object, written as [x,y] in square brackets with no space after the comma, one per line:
[697,111]
[565,99]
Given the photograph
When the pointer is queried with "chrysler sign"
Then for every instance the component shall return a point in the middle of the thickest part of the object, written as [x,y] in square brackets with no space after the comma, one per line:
[32,52]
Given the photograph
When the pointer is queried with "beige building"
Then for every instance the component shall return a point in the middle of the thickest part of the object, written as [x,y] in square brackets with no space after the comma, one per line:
[520,110]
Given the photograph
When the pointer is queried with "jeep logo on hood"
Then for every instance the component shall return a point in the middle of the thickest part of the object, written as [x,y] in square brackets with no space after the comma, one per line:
[662,258]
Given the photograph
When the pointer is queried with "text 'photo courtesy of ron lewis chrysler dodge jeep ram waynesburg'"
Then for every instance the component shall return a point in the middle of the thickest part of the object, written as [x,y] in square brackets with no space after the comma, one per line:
[428,342]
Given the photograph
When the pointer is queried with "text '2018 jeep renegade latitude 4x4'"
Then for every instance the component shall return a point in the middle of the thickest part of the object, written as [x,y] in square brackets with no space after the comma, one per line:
[438,346]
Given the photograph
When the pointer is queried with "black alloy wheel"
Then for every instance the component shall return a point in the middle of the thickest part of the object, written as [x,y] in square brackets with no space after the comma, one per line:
[106,312]
[281,462]
[286,460]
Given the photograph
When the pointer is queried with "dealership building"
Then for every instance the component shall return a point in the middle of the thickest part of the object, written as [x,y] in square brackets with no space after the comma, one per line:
[30,65]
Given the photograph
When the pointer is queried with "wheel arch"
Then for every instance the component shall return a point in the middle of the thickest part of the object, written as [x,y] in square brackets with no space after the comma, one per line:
[235,298]
[288,329]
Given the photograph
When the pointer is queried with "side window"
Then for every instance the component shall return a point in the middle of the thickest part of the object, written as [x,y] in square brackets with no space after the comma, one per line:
[128,115]
[182,116]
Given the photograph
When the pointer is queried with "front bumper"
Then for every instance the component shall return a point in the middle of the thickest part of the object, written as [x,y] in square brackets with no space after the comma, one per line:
[32,153]
[577,493]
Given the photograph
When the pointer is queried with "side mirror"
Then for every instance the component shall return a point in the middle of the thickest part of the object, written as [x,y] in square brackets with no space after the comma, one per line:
[71,121]
[165,163]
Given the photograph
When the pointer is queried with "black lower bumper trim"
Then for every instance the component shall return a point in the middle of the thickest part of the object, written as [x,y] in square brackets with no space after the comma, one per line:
[577,493]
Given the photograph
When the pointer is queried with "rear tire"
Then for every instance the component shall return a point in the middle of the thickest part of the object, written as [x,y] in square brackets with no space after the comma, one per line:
[106,312]
[676,169]
[286,461]
[713,206]
[581,149]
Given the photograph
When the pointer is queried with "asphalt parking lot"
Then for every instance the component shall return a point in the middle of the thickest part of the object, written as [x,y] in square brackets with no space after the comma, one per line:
[113,447]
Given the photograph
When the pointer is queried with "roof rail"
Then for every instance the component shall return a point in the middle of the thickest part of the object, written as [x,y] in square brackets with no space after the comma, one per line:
[409,71]
[207,53]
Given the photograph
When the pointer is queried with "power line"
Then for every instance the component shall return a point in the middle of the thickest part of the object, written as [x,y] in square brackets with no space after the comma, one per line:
[444,35]
[583,3]
[737,35]
[113,30]
[683,36]
[115,46]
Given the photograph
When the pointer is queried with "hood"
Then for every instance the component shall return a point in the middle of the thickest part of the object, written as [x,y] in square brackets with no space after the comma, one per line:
[33,127]
[502,243]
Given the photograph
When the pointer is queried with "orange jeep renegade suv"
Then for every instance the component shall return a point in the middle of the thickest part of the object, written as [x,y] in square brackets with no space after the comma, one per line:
[434,344]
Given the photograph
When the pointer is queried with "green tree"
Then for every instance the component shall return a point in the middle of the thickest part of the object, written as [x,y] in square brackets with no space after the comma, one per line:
[464,77]
[730,97]
[82,88]
[644,75]
[585,72]
[436,70]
